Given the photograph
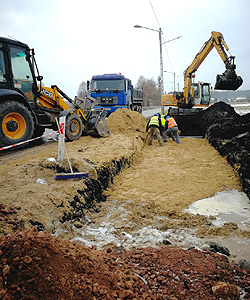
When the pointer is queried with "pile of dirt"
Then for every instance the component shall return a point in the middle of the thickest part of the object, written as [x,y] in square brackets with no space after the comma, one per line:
[123,121]
[232,140]
[196,124]
[34,265]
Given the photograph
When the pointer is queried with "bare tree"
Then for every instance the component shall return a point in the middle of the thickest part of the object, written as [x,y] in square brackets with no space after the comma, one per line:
[82,90]
[151,91]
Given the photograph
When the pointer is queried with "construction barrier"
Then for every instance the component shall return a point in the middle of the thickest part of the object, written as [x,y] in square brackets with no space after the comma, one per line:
[24,142]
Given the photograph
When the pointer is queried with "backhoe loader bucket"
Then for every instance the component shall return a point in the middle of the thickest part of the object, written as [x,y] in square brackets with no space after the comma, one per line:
[228,81]
[96,124]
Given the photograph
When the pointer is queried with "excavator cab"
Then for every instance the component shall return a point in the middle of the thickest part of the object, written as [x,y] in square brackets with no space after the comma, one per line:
[229,79]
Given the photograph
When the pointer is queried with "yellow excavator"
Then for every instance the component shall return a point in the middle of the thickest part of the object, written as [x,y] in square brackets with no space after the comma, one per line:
[198,94]
[27,108]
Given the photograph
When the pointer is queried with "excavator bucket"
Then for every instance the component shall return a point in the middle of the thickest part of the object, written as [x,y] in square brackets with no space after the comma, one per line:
[228,81]
[96,124]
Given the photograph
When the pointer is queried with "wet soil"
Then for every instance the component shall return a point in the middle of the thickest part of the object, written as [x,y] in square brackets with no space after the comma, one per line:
[151,183]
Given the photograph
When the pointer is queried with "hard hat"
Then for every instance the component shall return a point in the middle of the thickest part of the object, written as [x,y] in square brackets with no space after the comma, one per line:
[157,115]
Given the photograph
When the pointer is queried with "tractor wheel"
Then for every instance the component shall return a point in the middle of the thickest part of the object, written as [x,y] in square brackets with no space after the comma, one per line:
[73,129]
[16,123]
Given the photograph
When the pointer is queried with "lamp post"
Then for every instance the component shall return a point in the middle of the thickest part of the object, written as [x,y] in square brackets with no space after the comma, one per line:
[161,60]
[174,77]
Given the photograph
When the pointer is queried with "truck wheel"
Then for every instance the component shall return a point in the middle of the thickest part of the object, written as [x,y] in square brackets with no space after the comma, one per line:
[16,123]
[73,129]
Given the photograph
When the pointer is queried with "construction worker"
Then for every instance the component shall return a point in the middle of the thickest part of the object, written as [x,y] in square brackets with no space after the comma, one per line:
[154,129]
[170,128]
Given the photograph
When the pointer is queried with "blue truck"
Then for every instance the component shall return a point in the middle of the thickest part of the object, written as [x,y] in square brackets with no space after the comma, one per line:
[114,91]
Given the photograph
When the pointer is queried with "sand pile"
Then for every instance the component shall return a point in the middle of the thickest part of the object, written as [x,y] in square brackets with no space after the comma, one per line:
[126,122]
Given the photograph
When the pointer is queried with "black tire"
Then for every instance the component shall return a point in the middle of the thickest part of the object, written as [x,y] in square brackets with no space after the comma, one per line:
[73,129]
[16,123]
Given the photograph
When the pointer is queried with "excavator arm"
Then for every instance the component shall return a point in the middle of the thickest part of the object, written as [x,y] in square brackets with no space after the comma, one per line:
[227,81]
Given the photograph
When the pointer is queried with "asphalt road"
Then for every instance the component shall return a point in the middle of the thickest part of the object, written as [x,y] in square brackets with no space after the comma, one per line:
[147,113]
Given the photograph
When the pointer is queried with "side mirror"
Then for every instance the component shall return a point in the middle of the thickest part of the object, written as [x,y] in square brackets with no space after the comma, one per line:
[39,78]
[129,84]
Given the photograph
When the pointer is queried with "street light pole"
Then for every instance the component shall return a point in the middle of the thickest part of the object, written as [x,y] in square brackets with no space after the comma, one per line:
[174,77]
[161,63]
[161,59]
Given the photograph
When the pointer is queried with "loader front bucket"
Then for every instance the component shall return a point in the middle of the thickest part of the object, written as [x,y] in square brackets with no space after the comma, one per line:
[96,124]
[228,81]
[102,128]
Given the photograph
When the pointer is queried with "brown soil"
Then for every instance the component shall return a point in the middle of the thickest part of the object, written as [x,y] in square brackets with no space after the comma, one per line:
[37,266]
[153,182]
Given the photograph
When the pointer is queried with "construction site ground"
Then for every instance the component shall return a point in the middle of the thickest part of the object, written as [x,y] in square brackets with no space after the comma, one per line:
[43,254]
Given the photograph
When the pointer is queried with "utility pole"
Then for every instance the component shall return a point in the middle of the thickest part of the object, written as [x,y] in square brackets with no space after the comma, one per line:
[161,63]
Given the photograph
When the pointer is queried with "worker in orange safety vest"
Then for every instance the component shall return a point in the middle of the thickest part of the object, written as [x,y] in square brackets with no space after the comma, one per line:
[171,127]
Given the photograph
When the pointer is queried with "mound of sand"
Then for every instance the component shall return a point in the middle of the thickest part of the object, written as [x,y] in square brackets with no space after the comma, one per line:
[127,122]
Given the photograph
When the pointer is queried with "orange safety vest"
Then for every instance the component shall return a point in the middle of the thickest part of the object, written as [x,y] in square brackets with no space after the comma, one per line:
[171,122]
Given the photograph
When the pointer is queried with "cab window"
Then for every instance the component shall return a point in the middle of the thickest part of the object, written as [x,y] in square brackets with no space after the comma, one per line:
[2,65]
[22,75]
[205,95]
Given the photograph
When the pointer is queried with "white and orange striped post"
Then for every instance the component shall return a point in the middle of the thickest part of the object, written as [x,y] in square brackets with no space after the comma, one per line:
[61,138]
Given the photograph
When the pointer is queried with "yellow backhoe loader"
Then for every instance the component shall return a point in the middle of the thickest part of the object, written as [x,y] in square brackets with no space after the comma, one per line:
[27,108]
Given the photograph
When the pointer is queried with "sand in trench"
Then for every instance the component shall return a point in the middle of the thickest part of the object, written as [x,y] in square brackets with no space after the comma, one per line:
[161,181]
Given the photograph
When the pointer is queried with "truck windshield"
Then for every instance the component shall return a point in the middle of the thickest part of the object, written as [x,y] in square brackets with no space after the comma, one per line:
[107,85]
[22,75]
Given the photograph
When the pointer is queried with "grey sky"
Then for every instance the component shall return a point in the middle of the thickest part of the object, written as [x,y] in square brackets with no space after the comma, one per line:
[76,39]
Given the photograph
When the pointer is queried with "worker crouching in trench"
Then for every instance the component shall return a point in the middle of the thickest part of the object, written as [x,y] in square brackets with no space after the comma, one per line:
[171,128]
[154,129]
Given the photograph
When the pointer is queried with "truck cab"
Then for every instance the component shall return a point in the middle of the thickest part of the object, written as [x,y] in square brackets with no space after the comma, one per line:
[112,91]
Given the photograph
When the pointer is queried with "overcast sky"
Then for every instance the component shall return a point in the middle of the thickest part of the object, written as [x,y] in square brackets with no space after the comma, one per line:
[76,39]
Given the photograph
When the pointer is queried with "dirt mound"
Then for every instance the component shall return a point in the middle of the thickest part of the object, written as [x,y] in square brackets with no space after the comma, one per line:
[232,140]
[125,121]
[34,265]
[196,124]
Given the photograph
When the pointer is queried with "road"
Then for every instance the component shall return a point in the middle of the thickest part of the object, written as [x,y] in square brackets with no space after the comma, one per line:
[149,112]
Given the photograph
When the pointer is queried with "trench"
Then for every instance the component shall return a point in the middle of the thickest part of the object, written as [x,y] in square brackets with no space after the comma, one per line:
[92,226]
[92,217]
[89,198]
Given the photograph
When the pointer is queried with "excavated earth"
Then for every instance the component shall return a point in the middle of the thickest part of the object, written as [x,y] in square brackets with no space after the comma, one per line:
[41,219]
